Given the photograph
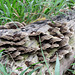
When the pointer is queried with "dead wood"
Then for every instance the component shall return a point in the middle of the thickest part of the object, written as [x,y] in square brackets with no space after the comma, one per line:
[56,37]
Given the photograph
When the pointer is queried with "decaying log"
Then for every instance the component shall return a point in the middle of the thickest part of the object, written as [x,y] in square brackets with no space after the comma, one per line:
[22,42]
[25,41]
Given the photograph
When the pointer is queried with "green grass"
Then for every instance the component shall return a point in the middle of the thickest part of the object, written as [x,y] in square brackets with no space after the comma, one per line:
[3,70]
[1,52]
[17,10]
[72,71]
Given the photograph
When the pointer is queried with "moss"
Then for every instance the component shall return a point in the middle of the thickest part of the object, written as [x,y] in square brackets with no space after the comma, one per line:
[52,51]
[32,43]
[25,56]
[72,40]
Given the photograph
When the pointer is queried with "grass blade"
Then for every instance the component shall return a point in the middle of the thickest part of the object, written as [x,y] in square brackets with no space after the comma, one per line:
[57,67]
[44,56]
[22,73]
[2,69]
[2,50]
[29,67]
[30,73]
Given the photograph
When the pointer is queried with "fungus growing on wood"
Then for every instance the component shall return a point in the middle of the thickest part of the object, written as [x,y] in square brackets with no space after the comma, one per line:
[14,25]
[52,36]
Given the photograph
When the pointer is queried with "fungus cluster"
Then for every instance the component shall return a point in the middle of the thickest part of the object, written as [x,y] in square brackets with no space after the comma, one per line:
[18,41]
